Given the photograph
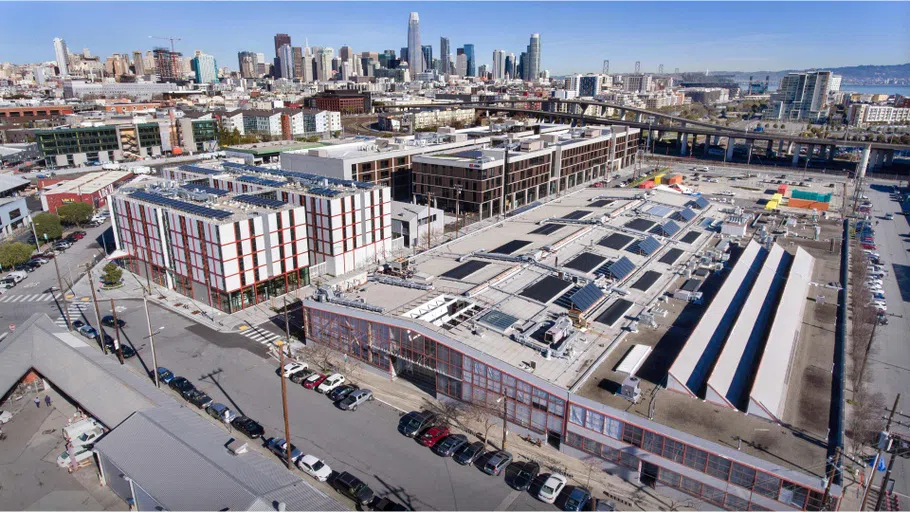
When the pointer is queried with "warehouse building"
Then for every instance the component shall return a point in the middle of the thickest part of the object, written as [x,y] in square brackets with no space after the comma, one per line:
[92,188]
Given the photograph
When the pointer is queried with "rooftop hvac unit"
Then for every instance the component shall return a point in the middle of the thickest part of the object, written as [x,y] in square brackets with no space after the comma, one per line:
[631,390]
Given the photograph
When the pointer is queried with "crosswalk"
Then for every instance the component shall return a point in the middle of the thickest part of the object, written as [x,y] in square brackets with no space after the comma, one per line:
[74,311]
[32,297]
[260,335]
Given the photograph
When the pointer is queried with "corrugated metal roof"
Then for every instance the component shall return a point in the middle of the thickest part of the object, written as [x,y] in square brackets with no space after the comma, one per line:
[196,471]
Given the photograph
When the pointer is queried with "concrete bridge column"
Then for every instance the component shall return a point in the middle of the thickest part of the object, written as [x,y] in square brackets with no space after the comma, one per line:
[715,139]
[832,150]
[750,143]
[780,148]
[684,144]
[622,113]
[707,144]
[731,143]
[889,157]
[796,148]
[638,117]
[789,148]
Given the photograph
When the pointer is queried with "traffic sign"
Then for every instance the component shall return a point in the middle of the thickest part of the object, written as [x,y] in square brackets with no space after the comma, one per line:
[12,327]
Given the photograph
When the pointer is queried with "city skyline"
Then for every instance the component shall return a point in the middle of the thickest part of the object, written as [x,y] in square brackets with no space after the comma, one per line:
[675,36]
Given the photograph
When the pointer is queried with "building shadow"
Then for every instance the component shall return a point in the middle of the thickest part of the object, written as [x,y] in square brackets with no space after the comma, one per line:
[211,376]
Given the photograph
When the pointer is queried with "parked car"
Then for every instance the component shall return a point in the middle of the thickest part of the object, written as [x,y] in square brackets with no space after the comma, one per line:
[353,488]
[386,504]
[88,331]
[62,245]
[299,377]
[551,488]
[165,375]
[577,500]
[329,383]
[433,435]
[221,412]
[200,399]
[179,384]
[313,380]
[125,349]
[249,427]
[497,463]
[314,467]
[108,321]
[77,324]
[78,235]
[294,367]
[448,446]
[415,421]
[278,446]
[341,392]
[525,475]
[354,399]
[468,453]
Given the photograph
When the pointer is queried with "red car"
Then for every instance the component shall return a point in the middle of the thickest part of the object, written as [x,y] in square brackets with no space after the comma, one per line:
[433,435]
[314,380]
[78,235]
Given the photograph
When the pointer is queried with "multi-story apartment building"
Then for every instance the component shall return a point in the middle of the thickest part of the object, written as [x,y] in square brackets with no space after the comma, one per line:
[285,122]
[346,102]
[62,147]
[20,114]
[538,167]
[863,114]
[348,224]
[800,97]
[426,119]
[199,134]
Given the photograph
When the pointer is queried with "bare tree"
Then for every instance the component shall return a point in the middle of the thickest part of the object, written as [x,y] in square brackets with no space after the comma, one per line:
[482,414]
[866,421]
[317,355]
[449,412]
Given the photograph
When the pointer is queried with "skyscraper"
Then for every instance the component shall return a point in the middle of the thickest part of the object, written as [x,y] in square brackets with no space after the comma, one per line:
[297,52]
[499,64]
[415,62]
[206,69]
[346,53]
[472,64]
[445,55]
[533,70]
[461,64]
[522,70]
[286,61]
[167,63]
[138,64]
[510,65]
[281,40]
[324,63]
[427,53]
[247,61]
[62,56]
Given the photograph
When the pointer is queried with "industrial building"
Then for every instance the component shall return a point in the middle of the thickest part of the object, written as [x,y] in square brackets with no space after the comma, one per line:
[527,315]
[92,188]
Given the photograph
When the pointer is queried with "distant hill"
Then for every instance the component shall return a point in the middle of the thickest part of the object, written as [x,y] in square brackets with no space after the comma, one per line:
[895,74]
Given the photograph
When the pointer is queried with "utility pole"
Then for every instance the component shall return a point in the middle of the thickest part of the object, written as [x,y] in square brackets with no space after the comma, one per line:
[284,405]
[91,283]
[830,477]
[35,233]
[287,324]
[878,456]
[148,322]
[881,488]
[862,369]
[505,421]
[66,317]
[117,335]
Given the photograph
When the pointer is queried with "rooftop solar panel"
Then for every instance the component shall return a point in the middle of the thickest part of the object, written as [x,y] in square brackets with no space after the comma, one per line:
[498,320]
[586,262]
[324,191]
[613,313]
[260,201]
[648,246]
[307,178]
[691,285]
[577,214]
[671,256]
[639,224]
[548,229]
[183,206]
[546,289]
[646,280]
[600,203]
[615,241]
[690,237]
[660,210]
[465,269]
[700,203]
[204,188]
[261,181]
[669,228]
[586,298]
[686,215]
[510,247]
[621,268]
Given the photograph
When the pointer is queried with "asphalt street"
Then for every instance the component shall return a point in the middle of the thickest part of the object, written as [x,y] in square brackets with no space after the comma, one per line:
[889,366]
[236,371]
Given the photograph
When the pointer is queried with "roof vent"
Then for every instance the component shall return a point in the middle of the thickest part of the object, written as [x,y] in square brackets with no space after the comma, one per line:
[238,447]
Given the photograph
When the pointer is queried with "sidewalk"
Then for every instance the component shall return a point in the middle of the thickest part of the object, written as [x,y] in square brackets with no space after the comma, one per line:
[405,397]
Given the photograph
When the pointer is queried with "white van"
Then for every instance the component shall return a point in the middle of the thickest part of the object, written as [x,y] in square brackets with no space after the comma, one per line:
[83,432]
[16,276]
[81,453]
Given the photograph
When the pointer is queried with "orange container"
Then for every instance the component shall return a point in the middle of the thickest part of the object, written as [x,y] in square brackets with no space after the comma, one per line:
[782,189]
[676,179]
[647,184]
[808,204]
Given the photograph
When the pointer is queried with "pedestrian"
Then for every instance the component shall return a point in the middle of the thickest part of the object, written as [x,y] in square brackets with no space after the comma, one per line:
[37,402]
[47,400]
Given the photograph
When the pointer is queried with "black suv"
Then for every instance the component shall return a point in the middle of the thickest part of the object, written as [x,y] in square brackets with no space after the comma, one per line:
[353,488]
[108,321]
[413,422]
[249,427]
[181,384]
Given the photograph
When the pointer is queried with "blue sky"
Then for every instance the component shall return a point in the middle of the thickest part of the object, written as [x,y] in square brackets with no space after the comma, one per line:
[575,37]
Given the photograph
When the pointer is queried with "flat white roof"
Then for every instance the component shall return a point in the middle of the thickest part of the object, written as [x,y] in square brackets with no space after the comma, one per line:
[633,359]
[698,341]
[767,396]
[89,183]
[734,351]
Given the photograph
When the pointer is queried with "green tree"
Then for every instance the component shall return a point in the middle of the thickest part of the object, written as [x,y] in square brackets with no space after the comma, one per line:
[112,274]
[75,213]
[47,224]
[14,253]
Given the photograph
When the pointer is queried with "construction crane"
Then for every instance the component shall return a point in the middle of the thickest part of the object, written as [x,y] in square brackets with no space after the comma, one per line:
[168,38]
